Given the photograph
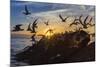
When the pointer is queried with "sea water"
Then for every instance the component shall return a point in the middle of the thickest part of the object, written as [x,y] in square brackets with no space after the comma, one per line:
[18,43]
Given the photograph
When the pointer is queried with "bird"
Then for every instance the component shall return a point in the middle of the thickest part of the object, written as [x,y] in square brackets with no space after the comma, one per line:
[85,20]
[34,25]
[63,19]
[90,20]
[26,11]
[75,22]
[46,23]
[29,27]
[17,27]
[84,23]
[91,24]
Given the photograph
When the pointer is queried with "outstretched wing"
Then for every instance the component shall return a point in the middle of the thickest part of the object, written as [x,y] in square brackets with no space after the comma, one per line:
[66,18]
[80,20]
[29,28]
[35,21]
[26,8]
[80,16]
[86,19]
[34,25]
[26,11]
[75,23]
[90,19]
[71,24]
[47,23]
[61,17]
[17,27]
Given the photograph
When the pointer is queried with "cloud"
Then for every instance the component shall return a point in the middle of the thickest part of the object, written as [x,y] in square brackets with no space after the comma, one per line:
[65,12]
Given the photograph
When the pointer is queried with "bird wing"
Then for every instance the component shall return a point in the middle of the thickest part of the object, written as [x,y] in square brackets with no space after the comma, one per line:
[80,16]
[35,21]
[90,19]
[47,22]
[72,24]
[80,20]
[34,24]
[86,19]
[29,28]
[60,17]
[26,8]
[66,18]
[18,25]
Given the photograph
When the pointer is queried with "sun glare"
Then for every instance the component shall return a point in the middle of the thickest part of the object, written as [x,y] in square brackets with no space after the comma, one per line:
[49,32]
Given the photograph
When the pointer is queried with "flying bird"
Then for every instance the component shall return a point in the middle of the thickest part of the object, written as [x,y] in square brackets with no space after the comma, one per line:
[84,23]
[29,27]
[76,21]
[46,23]
[90,20]
[91,24]
[17,27]
[85,20]
[34,25]
[63,19]
[26,11]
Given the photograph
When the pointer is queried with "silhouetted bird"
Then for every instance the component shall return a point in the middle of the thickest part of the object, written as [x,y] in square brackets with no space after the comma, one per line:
[29,27]
[63,19]
[92,25]
[86,19]
[17,27]
[26,11]
[34,25]
[84,23]
[46,23]
[90,20]
[89,23]
[75,22]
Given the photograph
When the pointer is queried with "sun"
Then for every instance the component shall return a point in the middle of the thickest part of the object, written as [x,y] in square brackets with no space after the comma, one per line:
[49,32]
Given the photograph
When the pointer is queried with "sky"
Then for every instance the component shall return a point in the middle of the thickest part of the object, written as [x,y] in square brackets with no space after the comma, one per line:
[47,11]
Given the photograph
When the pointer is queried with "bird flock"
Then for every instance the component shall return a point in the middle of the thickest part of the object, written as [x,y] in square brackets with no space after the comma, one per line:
[32,26]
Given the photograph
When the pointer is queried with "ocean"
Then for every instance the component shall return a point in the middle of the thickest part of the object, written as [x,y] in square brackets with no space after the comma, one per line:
[18,43]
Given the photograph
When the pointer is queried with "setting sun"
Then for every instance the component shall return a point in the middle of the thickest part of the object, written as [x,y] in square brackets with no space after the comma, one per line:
[49,32]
